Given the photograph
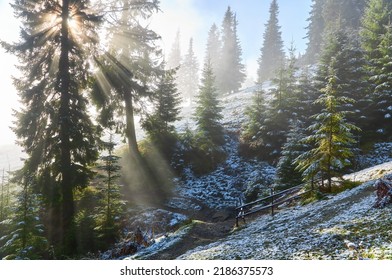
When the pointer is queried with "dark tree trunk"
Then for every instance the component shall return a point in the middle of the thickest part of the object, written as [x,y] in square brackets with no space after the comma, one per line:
[130,127]
[67,204]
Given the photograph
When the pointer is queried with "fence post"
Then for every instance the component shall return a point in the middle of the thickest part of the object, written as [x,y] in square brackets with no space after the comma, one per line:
[272,201]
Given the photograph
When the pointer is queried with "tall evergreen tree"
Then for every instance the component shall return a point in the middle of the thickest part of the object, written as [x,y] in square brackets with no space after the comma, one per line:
[231,73]
[287,173]
[315,31]
[251,138]
[280,112]
[214,48]
[53,125]
[331,136]
[188,74]
[208,112]
[330,16]
[174,58]
[272,54]
[347,13]
[129,69]
[345,48]
[159,125]
[376,41]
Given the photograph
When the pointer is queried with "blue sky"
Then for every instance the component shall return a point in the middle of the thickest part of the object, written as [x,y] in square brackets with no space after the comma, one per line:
[194,18]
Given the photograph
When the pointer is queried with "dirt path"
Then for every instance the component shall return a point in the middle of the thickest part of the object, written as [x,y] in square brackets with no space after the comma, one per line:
[201,233]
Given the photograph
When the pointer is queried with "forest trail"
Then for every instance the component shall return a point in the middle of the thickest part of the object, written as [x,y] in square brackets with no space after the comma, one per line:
[200,233]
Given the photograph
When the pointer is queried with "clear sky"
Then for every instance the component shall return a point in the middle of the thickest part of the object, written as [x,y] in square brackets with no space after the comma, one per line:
[193,18]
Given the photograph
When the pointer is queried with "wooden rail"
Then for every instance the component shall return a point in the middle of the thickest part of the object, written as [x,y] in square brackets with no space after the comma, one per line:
[274,200]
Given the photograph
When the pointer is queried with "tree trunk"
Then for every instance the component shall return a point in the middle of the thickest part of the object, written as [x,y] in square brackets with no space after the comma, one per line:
[130,131]
[67,237]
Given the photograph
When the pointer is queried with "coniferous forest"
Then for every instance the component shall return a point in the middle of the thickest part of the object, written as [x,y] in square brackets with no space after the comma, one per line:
[93,72]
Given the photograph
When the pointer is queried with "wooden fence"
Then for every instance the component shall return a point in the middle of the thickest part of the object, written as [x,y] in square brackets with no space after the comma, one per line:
[273,200]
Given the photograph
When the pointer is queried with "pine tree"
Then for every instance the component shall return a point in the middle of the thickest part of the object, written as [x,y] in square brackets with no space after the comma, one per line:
[25,239]
[376,41]
[345,48]
[159,125]
[315,32]
[287,173]
[111,206]
[279,113]
[306,95]
[272,54]
[214,48]
[231,72]
[330,135]
[331,16]
[53,125]
[174,58]
[251,138]
[347,13]
[208,112]
[128,70]
[188,74]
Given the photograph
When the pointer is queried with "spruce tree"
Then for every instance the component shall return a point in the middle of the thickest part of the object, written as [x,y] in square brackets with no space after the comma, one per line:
[331,136]
[251,138]
[287,173]
[53,125]
[214,48]
[174,58]
[159,125]
[315,31]
[25,239]
[231,73]
[188,74]
[279,113]
[376,41]
[331,16]
[208,113]
[272,54]
[111,206]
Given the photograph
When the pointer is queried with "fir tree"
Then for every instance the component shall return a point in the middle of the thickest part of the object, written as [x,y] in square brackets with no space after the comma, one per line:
[272,54]
[174,58]
[315,32]
[345,48]
[53,125]
[287,174]
[347,13]
[208,112]
[159,125]
[330,135]
[25,239]
[111,206]
[376,41]
[279,113]
[251,137]
[231,73]
[213,49]
[128,70]
[331,16]
[188,74]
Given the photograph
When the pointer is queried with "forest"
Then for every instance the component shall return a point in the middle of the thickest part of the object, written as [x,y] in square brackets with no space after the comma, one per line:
[92,72]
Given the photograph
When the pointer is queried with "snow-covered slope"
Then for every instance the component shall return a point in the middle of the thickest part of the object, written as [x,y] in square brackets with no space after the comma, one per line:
[315,231]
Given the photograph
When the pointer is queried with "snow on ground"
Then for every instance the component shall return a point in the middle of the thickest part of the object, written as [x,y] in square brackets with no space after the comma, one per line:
[314,231]
[223,187]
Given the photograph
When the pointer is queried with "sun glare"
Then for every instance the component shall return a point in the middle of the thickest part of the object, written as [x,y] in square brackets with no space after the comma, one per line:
[74,25]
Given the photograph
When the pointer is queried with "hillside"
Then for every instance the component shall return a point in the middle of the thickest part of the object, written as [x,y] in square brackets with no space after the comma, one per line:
[316,231]
[200,217]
